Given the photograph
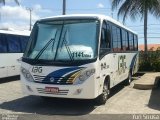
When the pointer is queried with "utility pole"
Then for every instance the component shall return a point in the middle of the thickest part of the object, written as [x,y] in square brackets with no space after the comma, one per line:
[64,7]
[30,21]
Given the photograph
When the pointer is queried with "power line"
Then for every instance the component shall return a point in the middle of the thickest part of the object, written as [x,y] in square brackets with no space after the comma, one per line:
[78,8]
[149,33]
[150,37]
[143,25]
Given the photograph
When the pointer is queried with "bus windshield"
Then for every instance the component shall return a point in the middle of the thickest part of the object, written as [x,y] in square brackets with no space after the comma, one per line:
[63,40]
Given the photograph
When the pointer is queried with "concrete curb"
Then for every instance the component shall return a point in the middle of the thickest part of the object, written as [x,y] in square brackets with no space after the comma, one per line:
[147,81]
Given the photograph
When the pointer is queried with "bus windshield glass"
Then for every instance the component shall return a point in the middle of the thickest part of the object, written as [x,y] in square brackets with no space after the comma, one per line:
[63,40]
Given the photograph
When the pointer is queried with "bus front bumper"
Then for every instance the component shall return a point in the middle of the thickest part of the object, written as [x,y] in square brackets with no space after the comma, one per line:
[87,90]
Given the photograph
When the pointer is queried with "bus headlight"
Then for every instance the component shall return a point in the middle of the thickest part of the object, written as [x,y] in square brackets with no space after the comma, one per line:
[27,74]
[84,76]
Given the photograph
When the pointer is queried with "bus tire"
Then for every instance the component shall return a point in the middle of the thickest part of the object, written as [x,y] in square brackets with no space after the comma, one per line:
[101,99]
[129,79]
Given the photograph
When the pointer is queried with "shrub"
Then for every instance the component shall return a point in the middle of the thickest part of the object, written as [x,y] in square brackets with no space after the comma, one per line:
[145,66]
[151,62]
[156,65]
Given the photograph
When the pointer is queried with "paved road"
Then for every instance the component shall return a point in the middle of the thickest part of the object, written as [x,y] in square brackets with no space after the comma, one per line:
[124,100]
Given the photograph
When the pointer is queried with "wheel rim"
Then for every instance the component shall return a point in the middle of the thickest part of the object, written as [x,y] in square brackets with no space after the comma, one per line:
[105,91]
[130,78]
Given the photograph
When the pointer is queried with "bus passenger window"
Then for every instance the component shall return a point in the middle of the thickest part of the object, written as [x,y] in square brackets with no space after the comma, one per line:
[3,44]
[131,41]
[23,42]
[116,38]
[13,44]
[124,40]
[135,42]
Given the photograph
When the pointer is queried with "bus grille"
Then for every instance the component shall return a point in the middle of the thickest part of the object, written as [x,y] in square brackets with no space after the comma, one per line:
[53,80]
[61,92]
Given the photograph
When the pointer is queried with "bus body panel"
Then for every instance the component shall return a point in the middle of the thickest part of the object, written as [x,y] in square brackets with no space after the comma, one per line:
[116,67]
[9,65]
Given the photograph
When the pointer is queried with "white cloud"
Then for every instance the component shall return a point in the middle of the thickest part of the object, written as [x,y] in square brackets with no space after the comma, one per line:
[38,8]
[17,12]
[17,17]
[100,5]
[11,25]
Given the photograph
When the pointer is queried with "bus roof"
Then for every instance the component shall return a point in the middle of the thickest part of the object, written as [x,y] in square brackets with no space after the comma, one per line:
[98,16]
[16,32]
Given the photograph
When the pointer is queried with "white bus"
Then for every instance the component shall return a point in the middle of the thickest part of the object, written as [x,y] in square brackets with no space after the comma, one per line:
[12,45]
[78,56]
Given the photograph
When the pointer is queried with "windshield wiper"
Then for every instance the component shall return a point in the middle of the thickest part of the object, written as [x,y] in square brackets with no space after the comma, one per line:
[46,46]
[67,47]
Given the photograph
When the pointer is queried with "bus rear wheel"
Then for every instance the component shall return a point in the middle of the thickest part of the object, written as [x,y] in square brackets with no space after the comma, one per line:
[101,99]
[129,79]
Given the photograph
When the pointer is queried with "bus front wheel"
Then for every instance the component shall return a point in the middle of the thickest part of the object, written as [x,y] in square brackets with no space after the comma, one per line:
[101,99]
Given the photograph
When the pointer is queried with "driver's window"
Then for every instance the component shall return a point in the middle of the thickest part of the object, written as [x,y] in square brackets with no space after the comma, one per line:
[105,39]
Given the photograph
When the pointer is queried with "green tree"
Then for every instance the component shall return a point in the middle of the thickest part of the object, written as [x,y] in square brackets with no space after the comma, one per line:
[136,9]
[4,2]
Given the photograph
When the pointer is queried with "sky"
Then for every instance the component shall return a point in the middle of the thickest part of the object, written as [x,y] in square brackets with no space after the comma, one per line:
[17,17]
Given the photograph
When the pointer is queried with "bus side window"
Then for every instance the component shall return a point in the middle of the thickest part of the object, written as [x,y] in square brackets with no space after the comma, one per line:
[3,44]
[105,39]
[23,41]
[116,38]
[131,44]
[124,40]
[135,42]
[13,44]
[108,33]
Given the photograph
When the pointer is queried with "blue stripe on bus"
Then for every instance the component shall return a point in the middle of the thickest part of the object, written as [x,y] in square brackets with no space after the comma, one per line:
[60,73]
[133,61]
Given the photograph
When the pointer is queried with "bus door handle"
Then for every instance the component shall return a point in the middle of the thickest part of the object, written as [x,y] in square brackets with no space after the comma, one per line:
[13,66]
[2,67]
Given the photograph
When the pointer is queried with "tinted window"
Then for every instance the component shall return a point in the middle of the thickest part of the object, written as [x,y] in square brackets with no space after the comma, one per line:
[105,38]
[23,41]
[3,44]
[13,44]
[108,32]
[135,42]
[103,44]
[116,38]
[124,40]
[131,45]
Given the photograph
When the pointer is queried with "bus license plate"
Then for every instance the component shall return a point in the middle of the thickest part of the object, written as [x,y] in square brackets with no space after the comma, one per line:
[53,90]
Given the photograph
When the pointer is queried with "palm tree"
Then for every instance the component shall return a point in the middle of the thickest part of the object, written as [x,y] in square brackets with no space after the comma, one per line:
[138,8]
[4,2]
